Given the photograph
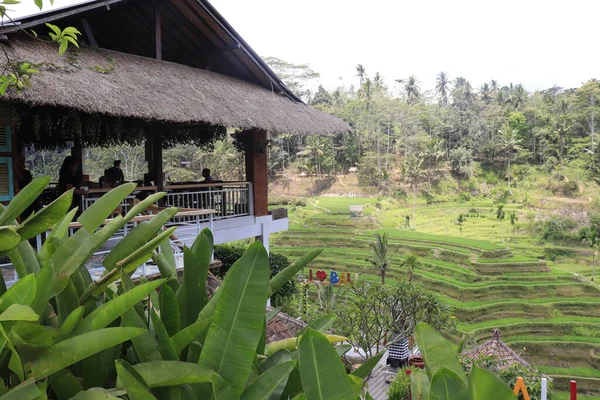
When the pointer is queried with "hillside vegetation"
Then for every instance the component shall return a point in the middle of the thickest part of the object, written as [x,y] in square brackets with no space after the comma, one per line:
[494,274]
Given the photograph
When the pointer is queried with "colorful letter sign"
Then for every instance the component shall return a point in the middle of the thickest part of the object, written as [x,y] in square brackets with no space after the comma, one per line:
[520,387]
[335,278]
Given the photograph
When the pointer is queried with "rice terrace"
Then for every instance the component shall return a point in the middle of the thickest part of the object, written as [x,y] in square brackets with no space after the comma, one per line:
[545,305]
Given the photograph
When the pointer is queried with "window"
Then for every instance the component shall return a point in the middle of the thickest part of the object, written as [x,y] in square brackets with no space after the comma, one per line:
[6,179]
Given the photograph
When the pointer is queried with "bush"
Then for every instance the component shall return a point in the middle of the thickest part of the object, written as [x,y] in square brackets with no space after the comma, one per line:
[557,230]
[282,201]
[400,387]
[461,161]
[228,254]
[556,253]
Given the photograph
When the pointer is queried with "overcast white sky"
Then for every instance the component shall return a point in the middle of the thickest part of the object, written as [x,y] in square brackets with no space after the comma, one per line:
[539,43]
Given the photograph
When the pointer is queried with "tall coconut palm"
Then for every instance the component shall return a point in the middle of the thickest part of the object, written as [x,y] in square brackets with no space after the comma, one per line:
[412,174]
[494,86]
[486,93]
[411,87]
[442,86]
[509,144]
[379,257]
[432,155]
[361,73]
[410,263]
[519,94]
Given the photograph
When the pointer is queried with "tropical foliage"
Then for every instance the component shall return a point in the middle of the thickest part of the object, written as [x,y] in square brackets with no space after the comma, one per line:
[444,377]
[65,336]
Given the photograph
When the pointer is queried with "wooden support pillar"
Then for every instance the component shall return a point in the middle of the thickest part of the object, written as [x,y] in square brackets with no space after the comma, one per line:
[77,152]
[154,157]
[158,29]
[256,169]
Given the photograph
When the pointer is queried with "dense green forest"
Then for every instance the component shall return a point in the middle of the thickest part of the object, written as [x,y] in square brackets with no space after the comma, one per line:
[403,136]
[398,125]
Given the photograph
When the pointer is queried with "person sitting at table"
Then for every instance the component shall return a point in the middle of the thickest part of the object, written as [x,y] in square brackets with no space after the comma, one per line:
[115,174]
[68,180]
[207,177]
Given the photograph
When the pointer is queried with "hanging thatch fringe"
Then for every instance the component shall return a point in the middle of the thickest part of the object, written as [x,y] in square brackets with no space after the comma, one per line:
[127,86]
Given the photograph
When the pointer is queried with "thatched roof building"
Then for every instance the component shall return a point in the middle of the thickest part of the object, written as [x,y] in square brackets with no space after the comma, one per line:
[173,61]
[495,347]
[99,81]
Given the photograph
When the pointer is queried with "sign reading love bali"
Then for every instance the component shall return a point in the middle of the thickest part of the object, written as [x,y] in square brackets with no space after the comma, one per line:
[335,278]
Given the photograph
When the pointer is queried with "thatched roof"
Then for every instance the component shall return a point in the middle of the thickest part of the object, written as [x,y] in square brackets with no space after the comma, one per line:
[96,81]
[495,347]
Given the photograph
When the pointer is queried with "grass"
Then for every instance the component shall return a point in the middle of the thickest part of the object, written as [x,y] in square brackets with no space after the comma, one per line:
[548,311]
[425,237]
[509,260]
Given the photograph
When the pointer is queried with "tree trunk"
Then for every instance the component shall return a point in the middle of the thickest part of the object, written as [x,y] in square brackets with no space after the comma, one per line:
[383,277]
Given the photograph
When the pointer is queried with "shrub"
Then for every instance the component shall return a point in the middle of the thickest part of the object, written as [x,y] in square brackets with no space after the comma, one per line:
[464,197]
[461,161]
[557,253]
[400,387]
[557,230]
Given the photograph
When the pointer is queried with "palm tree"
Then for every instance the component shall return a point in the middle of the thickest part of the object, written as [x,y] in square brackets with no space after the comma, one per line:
[518,96]
[412,175]
[561,130]
[461,221]
[514,218]
[590,237]
[380,258]
[432,154]
[361,72]
[411,87]
[509,144]
[486,93]
[469,93]
[494,86]
[442,86]
[410,262]
[314,147]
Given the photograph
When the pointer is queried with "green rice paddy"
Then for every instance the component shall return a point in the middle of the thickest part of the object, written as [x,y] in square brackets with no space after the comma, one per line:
[491,276]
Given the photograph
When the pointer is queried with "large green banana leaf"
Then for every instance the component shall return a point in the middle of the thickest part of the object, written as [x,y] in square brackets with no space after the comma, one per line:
[96,214]
[290,272]
[485,385]
[419,384]
[172,373]
[132,382]
[222,390]
[269,381]
[23,199]
[323,375]
[447,385]
[25,391]
[22,292]
[191,295]
[45,219]
[366,368]
[9,238]
[113,309]
[185,336]
[165,345]
[437,352]
[169,310]
[237,326]
[137,237]
[77,348]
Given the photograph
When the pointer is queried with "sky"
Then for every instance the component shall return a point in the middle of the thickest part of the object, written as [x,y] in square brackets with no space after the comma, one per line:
[533,42]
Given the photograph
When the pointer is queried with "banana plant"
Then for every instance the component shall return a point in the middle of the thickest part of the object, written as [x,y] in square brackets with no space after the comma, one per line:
[444,377]
[64,336]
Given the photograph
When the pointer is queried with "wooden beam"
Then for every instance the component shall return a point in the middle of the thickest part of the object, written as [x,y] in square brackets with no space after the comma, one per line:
[88,33]
[158,30]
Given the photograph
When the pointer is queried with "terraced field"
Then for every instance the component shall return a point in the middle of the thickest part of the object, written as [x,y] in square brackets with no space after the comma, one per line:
[547,310]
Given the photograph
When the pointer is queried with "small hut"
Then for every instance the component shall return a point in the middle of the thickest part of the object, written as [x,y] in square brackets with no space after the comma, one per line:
[495,347]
